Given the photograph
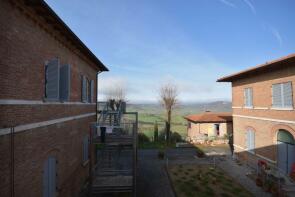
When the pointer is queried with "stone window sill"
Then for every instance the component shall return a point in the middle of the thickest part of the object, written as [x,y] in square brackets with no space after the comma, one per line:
[282,108]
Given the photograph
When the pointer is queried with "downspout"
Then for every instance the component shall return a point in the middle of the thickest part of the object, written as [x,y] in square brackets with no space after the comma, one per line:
[91,137]
[97,91]
[12,160]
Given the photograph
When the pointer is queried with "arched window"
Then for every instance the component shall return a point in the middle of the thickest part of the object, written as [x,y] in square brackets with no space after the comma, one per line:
[250,140]
[286,151]
[49,177]
[285,136]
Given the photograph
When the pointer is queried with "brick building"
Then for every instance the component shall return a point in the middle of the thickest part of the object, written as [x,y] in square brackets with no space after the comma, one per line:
[263,113]
[209,124]
[47,102]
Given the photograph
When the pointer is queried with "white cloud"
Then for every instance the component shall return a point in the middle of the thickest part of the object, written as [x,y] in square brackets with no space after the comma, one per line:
[105,84]
[251,6]
[276,34]
[228,3]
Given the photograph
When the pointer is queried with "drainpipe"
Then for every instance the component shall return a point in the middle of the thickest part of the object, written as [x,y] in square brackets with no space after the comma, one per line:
[12,161]
[97,91]
[91,138]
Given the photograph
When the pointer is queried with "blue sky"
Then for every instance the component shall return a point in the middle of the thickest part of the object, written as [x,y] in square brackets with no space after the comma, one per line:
[192,43]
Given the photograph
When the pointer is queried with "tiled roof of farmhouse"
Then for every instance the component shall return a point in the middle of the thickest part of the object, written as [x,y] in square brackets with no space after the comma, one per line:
[280,63]
[210,117]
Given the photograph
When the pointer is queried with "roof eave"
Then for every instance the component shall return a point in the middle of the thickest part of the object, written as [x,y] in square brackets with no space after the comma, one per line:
[79,43]
[274,64]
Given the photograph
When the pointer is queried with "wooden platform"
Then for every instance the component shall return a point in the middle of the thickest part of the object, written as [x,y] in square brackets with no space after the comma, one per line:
[111,184]
[121,139]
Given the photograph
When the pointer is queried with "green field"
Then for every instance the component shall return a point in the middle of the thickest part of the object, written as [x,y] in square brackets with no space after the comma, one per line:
[147,121]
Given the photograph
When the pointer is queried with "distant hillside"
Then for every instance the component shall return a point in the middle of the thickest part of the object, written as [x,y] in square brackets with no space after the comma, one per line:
[182,109]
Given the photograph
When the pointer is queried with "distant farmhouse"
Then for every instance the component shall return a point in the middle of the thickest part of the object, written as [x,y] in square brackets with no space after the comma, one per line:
[47,102]
[263,113]
[209,124]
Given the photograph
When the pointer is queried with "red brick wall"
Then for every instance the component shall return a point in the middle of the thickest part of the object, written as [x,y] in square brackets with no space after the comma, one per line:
[265,130]
[27,42]
[262,93]
[24,114]
[26,46]
[32,148]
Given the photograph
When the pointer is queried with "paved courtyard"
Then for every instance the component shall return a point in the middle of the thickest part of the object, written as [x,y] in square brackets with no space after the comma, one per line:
[153,180]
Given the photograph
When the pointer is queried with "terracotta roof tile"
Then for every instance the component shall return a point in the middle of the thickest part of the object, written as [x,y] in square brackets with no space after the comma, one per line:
[208,117]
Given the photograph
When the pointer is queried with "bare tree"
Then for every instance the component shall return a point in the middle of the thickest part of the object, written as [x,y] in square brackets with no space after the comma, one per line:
[116,92]
[168,98]
[116,95]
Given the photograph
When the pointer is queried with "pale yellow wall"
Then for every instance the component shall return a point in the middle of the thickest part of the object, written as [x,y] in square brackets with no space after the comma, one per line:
[208,128]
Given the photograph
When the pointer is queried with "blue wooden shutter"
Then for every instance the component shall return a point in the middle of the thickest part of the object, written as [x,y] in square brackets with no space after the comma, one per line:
[276,95]
[245,97]
[252,141]
[291,156]
[84,89]
[282,157]
[250,97]
[52,80]
[46,179]
[248,140]
[92,91]
[85,148]
[287,95]
[65,82]
[49,178]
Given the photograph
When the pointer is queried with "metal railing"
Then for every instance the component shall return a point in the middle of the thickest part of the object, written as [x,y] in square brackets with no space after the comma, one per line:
[116,150]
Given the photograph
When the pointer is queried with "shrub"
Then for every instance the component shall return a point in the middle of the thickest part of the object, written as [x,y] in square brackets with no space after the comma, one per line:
[142,138]
[162,136]
[175,137]
[156,132]
[161,154]
[200,152]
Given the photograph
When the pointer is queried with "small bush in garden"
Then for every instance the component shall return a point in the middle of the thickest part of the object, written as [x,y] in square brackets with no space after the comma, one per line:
[224,195]
[209,191]
[142,138]
[161,154]
[200,152]
[156,132]
[175,137]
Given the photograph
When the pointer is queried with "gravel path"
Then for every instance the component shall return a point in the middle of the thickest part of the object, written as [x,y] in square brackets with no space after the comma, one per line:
[239,174]
[152,178]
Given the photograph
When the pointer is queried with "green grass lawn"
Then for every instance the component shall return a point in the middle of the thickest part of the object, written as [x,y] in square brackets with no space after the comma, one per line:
[147,121]
[204,181]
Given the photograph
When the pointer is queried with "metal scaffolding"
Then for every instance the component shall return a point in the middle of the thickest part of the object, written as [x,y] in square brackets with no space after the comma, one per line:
[114,137]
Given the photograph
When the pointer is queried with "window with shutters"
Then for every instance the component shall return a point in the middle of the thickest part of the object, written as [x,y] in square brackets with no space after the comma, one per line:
[57,81]
[84,89]
[65,83]
[91,91]
[85,148]
[49,177]
[282,95]
[52,80]
[87,90]
[248,97]
[250,140]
